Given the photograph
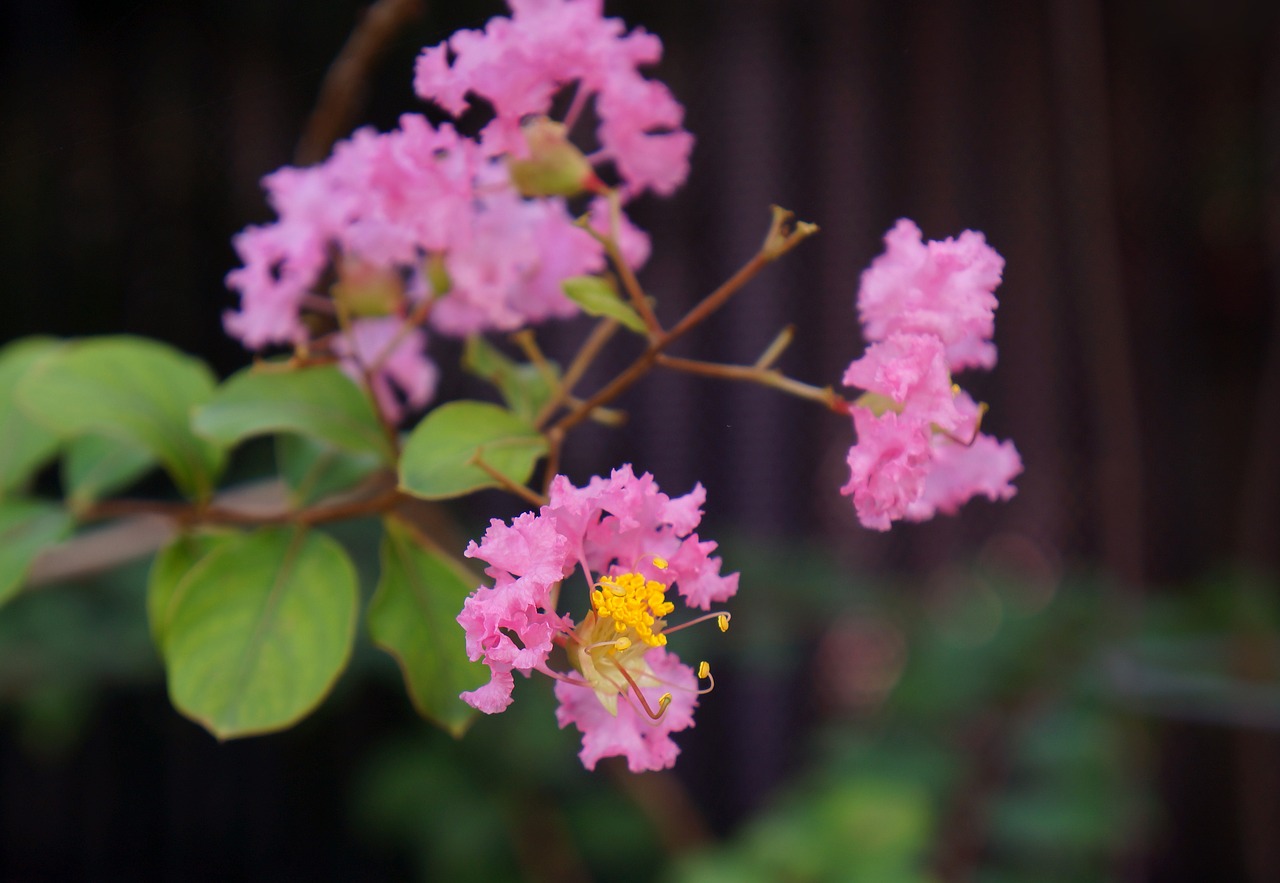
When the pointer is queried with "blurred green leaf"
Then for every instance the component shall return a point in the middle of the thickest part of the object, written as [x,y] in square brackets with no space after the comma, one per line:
[259,630]
[524,388]
[314,470]
[26,528]
[24,444]
[173,564]
[321,402]
[413,616]
[598,297]
[439,457]
[96,466]
[132,389]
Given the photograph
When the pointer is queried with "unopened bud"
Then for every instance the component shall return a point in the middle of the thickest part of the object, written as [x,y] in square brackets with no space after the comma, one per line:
[364,290]
[554,167]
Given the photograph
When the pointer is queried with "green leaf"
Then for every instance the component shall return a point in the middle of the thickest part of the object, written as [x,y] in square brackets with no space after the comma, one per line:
[26,528]
[598,297]
[96,466]
[259,630]
[524,388]
[171,567]
[321,402]
[24,444]
[313,470]
[439,457]
[414,617]
[132,389]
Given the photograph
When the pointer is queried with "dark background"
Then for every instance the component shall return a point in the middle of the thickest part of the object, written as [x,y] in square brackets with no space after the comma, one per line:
[1124,158]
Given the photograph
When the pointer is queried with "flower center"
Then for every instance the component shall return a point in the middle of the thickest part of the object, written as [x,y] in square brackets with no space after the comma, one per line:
[633,602]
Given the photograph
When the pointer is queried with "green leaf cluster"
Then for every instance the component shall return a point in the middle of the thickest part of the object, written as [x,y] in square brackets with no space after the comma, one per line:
[255,624]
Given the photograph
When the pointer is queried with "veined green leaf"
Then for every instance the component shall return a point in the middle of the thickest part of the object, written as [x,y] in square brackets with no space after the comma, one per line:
[24,444]
[313,469]
[95,466]
[136,390]
[321,402]
[524,388]
[598,297]
[26,528]
[258,631]
[439,459]
[414,617]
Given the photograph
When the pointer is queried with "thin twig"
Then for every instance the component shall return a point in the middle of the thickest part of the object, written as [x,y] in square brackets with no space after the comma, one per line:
[343,90]
[591,347]
[769,377]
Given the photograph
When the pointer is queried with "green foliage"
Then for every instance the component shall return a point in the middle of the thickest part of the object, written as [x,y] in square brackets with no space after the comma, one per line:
[258,629]
[599,297]
[313,470]
[26,528]
[319,402]
[24,444]
[413,616]
[95,466]
[131,389]
[439,458]
[524,387]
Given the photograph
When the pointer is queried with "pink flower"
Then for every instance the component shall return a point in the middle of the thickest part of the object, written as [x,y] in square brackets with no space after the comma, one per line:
[911,370]
[625,693]
[941,288]
[887,466]
[961,472]
[519,64]
[928,310]
[393,356]
[646,744]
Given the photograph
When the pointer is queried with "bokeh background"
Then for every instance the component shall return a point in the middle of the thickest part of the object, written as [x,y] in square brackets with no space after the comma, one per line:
[1081,684]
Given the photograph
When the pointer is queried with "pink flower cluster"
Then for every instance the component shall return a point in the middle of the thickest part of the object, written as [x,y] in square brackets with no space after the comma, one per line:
[439,222]
[624,691]
[927,309]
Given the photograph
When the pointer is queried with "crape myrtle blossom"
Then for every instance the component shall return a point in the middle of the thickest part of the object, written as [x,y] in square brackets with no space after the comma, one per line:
[624,691]
[422,202]
[478,230]
[518,65]
[928,309]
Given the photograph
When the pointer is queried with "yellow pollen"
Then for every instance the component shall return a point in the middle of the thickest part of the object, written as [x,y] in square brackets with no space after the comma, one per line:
[622,644]
[660,563]
[955,389]
[723,621]
[704,669]
[632,602]
[663,702]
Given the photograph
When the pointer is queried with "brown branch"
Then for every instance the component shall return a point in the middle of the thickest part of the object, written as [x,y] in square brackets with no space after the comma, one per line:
[769,377]
[782,237]
[343,90]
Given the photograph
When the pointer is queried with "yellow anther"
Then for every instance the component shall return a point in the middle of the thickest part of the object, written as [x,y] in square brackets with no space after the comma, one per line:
[632,602]
[704,669]
[723,621]
[663,702]
[660,563]
[622,644]
[955,389]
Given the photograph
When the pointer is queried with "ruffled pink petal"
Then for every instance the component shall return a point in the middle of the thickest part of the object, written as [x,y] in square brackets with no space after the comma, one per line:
[945,288]
[887,466]
[646,744]
[961,472]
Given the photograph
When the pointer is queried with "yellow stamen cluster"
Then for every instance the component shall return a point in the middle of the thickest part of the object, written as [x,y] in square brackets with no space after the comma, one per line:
[633,602]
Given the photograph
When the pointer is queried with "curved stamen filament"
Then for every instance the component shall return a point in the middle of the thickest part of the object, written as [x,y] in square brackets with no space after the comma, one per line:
[555,675]
[721,618]
[663,701]
[620,644]
[704,671]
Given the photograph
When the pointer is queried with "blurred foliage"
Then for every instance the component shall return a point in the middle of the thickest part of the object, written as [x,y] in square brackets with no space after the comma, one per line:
[982,725]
